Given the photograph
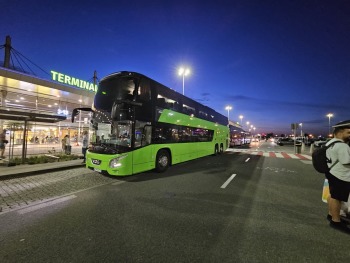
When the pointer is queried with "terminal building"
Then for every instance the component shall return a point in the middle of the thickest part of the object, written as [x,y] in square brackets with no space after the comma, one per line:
[36,112]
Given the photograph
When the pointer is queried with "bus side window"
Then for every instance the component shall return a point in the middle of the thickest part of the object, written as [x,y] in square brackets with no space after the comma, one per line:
[147,133]
[176,106]
[170,105]
[144,91]
[161,102]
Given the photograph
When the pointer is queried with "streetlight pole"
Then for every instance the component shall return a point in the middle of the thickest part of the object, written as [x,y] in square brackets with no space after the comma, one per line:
[329,115]
[228,108]
[241,117]
[301,129]
[183,72]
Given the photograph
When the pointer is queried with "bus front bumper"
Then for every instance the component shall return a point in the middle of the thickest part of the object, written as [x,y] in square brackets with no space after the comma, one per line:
[109,165]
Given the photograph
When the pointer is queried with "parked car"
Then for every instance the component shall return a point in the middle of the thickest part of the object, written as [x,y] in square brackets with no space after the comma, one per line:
[321,143]
[286,141]
[310,141]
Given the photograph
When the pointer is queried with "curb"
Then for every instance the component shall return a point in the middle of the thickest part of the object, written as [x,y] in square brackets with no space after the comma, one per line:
[30,173]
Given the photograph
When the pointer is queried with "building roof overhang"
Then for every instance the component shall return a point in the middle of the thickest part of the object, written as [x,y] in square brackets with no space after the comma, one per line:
[17,115]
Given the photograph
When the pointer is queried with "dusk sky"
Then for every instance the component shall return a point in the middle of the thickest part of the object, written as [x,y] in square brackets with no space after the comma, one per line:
[275,62]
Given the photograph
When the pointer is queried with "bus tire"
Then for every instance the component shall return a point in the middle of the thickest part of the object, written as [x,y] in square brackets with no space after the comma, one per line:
[216,150]
[162,161]
[221,149]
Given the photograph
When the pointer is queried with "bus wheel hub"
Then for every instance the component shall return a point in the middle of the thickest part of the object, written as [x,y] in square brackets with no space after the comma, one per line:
[163,161]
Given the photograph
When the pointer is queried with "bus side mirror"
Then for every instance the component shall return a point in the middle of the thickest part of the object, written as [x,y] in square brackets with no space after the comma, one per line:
[76,112]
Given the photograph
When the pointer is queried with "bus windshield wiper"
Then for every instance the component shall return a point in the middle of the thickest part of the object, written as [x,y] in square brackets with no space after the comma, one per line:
[108,148]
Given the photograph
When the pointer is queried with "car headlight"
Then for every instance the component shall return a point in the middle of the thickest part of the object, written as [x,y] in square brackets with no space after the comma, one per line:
[115,162]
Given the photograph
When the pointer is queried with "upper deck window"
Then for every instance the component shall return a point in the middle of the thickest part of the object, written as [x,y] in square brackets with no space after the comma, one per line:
[114,89]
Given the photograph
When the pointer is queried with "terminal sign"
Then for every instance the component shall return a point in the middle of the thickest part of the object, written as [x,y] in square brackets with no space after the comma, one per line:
[82,84]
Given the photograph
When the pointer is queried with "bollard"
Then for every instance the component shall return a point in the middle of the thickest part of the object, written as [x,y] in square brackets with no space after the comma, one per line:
[311,148]
[302,147]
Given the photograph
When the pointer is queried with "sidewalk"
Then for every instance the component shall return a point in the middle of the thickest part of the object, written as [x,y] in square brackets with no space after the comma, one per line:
[7,172]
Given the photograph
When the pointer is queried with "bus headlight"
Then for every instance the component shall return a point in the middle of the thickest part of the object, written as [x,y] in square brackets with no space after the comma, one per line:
[114,163]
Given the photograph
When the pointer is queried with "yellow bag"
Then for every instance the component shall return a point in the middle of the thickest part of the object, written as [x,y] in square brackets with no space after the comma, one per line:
[325,191]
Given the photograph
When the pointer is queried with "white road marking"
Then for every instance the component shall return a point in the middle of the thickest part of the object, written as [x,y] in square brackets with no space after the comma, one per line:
[293,156]
[247,160]
[46,204]
[306,161]
[267,154]
[306,156]
[118,182]
[228,181]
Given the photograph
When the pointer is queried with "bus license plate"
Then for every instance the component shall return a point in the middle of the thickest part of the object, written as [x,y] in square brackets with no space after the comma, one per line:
[97,170]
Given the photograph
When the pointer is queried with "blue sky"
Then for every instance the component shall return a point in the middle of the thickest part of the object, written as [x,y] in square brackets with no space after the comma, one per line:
[275,62]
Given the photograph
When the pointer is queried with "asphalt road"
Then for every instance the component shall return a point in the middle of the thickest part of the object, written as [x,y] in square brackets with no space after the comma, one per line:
[237,207]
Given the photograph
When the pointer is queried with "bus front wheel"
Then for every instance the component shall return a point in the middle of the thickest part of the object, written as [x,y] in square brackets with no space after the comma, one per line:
[162,161]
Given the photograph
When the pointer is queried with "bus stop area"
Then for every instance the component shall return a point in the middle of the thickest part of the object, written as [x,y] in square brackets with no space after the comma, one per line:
[7,172]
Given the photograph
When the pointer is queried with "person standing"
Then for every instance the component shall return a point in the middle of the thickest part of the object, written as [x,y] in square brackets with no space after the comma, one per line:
[85,145]
[67,147]
[339,175]
[3,141]
[63,142]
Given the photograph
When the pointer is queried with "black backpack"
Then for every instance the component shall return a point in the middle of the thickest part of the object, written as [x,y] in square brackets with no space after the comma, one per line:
[320,160]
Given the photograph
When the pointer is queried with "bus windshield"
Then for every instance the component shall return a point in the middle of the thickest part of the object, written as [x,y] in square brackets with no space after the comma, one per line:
[110,136]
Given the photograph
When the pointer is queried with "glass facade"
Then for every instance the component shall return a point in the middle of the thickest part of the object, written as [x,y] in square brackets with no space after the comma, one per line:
[36,114]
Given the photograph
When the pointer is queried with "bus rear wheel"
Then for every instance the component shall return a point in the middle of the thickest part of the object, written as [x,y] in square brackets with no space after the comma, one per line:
[221,148]
[216,150]
[162,161]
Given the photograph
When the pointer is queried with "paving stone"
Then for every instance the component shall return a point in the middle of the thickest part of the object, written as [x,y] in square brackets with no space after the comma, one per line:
[20,192]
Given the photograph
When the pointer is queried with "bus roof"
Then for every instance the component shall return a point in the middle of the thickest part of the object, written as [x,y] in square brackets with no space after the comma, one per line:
[221,118]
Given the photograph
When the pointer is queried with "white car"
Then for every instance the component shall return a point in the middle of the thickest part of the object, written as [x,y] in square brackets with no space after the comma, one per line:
[320,143]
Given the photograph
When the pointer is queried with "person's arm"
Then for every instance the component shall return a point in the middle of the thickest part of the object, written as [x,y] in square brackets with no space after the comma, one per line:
[344,154]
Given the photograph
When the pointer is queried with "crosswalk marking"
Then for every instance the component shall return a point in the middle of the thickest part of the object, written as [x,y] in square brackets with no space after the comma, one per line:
[271,154]
[279,155]
[293,156]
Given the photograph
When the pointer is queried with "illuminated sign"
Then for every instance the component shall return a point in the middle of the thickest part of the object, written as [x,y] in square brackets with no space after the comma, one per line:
[65,79]
[62,112]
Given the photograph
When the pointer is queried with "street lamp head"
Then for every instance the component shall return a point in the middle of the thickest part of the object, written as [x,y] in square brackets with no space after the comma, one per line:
[228,108]
[184,71]
[329,115]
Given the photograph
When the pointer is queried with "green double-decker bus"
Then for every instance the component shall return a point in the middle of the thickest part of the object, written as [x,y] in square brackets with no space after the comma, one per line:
[139,124]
